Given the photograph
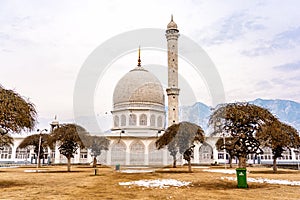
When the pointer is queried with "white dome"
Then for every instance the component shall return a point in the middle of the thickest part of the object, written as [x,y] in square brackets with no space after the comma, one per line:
[138,86]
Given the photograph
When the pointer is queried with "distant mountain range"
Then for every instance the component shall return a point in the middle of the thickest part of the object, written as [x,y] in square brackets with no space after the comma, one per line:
[287,111]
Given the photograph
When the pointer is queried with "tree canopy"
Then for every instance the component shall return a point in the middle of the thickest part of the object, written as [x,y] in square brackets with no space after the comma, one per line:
[16,112]
[279,137]
[241,121]
[69,137]
[228,146]
[181,136]
[34,140]
[6,140]
[97,144]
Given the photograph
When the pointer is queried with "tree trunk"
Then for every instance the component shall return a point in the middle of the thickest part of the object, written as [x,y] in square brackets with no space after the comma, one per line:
[95,162]
[242,162]
[69,164]
[274,165]
[39,162]
[174,161]
[230,161]
[190,166]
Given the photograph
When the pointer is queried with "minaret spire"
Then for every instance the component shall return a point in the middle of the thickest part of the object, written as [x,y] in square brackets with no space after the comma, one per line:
[139,60]
[172,34]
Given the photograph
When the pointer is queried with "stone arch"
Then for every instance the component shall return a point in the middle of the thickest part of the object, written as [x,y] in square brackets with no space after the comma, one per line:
[155,155]
[143,120]
[123,120]
[137,153]
[116,121]
[205,153]
[132,119]
[118,153]
[152,120]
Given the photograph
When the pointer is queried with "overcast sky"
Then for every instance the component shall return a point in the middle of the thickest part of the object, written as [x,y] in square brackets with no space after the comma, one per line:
[43,44]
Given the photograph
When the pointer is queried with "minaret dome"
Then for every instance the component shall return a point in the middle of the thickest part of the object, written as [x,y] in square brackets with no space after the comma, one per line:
[172,24]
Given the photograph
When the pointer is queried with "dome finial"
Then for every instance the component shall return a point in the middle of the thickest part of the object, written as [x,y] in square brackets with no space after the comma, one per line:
[139,60]
[172,24]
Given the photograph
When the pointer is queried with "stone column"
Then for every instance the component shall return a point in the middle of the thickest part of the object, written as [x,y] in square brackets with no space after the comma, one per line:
[172,34]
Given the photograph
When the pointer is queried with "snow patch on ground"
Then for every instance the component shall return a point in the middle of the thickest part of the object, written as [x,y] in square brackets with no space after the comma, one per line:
[162,183]
[137,167]
[200,167]
[225,171]
[6,167]
[34,170]
[265,180]
[131,171]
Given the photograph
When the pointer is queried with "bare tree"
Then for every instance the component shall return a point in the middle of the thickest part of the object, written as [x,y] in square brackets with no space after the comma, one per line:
[241,121]
[228,146]
[97,144]
[5,140]
[16,113]
[34,140]
[69,137]
[182,137]
[279,137]
[173,151]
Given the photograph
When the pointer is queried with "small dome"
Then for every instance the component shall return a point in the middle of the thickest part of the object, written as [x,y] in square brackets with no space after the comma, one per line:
[172,24]
[138,85]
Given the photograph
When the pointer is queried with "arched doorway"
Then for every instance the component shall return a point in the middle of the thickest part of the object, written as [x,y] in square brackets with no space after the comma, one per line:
[155,155]
[137,153]
[118,153]
[205,154]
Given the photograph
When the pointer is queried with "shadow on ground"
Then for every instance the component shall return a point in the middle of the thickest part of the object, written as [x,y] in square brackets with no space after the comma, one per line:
[7,184]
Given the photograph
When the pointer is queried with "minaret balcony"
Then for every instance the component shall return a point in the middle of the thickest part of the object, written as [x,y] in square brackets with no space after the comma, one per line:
[173,91]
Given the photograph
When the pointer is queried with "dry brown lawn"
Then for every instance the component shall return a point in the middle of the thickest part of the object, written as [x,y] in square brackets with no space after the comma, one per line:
[81,183]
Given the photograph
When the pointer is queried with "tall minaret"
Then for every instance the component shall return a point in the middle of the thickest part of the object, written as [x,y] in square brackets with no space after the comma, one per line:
[172,34]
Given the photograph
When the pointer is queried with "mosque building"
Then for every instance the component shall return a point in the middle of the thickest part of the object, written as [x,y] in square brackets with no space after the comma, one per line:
[139,111]
[139,118]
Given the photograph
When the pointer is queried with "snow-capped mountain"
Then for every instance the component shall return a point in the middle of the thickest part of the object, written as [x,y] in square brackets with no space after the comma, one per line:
[287,111]
[198,113]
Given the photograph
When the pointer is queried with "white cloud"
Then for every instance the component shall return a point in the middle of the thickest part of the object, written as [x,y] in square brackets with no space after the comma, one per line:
[43,44]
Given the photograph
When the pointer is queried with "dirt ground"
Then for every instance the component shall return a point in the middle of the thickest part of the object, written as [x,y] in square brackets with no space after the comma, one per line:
[55,183]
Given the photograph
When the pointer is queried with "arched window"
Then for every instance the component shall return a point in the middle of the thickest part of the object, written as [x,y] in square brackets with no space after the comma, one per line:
[137,153]
[205,153]
[143,120]
[5,152]
[152,120]
[132,119]
[116,121]
[83,155]
[159,122]
[22,153]
[123,120]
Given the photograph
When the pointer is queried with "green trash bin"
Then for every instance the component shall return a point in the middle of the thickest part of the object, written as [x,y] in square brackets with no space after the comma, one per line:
[117,167]
[241,174]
